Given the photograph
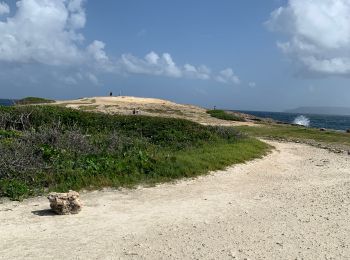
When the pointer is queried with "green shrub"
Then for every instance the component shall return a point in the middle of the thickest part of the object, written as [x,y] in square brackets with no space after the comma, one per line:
[13,189]
[164,131]
[55,148]
[221,114]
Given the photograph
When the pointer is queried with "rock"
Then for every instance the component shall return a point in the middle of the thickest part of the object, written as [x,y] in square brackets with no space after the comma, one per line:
[65,203]
[348,131]
[322,129]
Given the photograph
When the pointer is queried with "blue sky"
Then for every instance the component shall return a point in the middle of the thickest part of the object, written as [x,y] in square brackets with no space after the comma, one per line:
[245,54]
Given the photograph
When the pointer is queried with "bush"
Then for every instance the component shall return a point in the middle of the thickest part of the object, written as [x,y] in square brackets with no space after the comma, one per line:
[55,148]
[221,114]
[163,131]
[14,189]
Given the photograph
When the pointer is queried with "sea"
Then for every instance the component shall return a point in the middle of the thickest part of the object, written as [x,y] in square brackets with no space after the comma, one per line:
[7,102]
[335,122]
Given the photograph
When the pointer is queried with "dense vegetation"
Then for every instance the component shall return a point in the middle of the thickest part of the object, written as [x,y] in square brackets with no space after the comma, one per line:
[46,148]
[33,100]
[296,133]
[221,114]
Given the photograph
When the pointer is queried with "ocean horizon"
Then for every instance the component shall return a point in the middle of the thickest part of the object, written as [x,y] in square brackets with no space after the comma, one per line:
[7,102]
[336,122]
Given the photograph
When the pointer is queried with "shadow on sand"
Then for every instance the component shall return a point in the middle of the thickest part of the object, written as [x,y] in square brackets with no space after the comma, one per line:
[44,213]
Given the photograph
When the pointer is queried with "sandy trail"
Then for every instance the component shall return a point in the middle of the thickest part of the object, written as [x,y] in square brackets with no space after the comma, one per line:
[292,204]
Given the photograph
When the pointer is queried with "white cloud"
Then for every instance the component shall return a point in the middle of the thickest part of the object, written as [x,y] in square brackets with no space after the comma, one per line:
[4,8]
[152,64]
[96,50]
[152,58]
[77,17]
[43,31]
[48,32]
[170,67]
[228,76]
[164,65]
[318,32]
[201,72]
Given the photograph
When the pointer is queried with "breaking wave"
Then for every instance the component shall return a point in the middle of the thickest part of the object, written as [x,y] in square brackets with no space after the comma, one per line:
[302,120]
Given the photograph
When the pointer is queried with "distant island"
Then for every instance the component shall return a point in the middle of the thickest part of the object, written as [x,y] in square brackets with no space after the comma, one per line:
[342,111]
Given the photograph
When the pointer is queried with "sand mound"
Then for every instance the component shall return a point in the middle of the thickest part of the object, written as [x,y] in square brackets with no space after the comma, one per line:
[146,106]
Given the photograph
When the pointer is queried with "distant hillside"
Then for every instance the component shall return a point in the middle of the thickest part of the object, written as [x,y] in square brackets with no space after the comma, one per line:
[321,110]
[33,100]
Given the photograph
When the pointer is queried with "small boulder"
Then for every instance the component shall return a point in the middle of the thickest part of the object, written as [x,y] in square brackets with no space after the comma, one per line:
[322,129]
[348,131]
[65,203]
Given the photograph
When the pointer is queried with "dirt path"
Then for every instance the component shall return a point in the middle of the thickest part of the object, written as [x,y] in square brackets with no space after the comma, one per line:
[293,204]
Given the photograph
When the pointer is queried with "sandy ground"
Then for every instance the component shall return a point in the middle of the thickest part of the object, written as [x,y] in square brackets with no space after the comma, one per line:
[292,204]
[147,106]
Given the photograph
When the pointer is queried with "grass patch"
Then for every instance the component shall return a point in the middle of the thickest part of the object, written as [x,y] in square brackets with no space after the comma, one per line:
[33,100]
[50,148]
[296,133]
[221,114]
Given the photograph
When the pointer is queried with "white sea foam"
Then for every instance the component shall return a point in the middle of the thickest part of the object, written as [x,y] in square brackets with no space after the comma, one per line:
[302,120]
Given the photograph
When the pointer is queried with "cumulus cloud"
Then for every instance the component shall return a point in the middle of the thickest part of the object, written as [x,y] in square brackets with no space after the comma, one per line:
[48,32]
[164,65]
[201,72]
[152,64]
[77,17]
[96,50]
[4,8]
[228,76]
[43,31]
[318,34]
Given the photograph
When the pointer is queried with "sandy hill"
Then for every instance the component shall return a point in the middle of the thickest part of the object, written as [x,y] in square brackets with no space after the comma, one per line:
[125,105]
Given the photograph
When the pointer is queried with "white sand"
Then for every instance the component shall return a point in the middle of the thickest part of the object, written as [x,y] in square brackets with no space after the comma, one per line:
[293,204]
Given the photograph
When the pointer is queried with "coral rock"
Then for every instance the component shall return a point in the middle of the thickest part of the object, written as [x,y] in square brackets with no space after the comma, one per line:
[65,203]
